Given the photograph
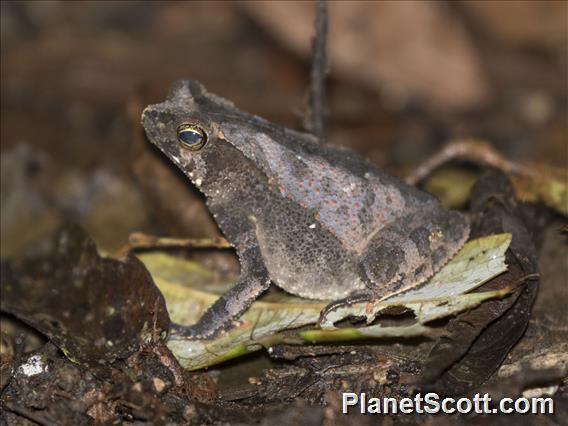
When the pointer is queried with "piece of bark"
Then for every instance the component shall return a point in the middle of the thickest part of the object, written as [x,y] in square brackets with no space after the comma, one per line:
[95,309]
[479,340]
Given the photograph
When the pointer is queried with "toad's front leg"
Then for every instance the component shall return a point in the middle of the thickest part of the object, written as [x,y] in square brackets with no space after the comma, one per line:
[253,281]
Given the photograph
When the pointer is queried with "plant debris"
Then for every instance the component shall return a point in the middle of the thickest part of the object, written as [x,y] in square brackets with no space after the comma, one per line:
[444,295]
[95,309]
[75,78]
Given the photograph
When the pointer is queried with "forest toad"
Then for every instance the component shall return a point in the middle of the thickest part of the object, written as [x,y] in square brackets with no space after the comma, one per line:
[318,221]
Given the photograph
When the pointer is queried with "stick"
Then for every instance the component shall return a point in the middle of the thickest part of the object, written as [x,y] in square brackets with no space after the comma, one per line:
[315,115]
[139,240]
[475,151]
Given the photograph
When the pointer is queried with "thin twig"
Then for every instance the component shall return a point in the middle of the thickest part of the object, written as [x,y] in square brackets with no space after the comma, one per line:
[315,115]
[139,240]
[474,151]
[29,415]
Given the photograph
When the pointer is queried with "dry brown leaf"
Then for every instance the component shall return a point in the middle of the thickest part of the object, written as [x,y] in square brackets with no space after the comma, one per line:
[404,49]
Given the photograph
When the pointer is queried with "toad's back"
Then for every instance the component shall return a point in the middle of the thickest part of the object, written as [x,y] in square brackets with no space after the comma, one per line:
[349,197]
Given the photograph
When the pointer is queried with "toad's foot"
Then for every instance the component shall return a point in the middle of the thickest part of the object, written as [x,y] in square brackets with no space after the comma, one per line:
[325,316]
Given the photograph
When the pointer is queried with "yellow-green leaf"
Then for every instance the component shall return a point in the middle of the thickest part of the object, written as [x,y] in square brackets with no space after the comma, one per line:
[269,323]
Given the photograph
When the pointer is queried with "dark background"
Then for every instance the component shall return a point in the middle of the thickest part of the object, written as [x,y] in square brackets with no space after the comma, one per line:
[405,78]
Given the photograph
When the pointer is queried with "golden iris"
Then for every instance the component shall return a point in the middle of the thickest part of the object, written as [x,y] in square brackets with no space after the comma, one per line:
[191,136]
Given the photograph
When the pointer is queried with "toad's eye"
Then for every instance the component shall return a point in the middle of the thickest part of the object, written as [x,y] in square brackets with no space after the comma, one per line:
[191,136]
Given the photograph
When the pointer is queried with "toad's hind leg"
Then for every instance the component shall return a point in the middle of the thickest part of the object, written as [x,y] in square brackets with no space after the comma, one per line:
[406,253]
[253,281]
[412,249]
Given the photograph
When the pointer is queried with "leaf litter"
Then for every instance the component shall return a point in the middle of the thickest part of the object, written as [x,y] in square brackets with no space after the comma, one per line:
[278,322]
